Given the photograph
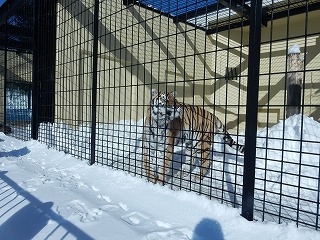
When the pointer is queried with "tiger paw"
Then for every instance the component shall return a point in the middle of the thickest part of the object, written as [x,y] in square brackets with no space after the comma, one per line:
[196,175]
[197,178]
[161,179]
[152,179]
[185,170]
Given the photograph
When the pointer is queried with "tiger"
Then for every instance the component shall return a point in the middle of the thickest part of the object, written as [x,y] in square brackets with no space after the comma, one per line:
[169,123]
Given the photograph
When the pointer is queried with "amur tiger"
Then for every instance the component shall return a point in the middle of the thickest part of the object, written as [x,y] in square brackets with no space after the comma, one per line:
[169,123]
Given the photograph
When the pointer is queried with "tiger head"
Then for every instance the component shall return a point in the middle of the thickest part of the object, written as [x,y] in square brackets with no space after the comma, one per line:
[164,105]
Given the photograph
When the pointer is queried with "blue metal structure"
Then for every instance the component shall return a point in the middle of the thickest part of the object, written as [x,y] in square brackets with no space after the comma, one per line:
[176,8]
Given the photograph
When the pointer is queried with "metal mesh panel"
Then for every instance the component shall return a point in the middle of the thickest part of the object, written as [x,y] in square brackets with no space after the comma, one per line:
[287,172]
[98,62]
[16,69]
[140,48]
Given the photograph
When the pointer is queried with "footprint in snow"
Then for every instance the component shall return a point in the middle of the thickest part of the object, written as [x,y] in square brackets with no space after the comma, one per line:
[104,197]
[140,220]
[163,224]
[109,208]
[174,234]
[76,176]
[91,216]
[135,218]
[70,208]
[32,185]
[77,207]
[95,188]
[53,169]
[46,180]
[123,206]
[81,185]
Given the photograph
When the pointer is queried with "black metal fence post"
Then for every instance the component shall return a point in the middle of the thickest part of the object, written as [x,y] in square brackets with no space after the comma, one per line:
[252,110]
[35,118]
[94,81]
[44,50]
[5,71]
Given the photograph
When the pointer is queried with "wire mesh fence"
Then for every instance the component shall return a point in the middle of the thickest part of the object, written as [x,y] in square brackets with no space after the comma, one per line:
[16,69]
[99,67]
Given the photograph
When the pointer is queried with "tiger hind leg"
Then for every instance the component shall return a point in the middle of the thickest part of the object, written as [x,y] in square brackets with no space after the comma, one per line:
[205,162]
[191,156]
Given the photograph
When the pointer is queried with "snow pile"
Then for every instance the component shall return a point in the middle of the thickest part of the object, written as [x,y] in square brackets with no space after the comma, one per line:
[289,161]
[294,49]
[292,146]
[294,135]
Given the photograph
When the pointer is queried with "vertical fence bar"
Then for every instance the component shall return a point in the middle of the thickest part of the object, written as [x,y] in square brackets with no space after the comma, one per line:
[5,70]
[252,109]
[46,60]
[44,51]
[34,117]
[94,81]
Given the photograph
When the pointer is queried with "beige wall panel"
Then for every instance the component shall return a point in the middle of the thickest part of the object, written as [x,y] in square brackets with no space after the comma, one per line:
[140,50]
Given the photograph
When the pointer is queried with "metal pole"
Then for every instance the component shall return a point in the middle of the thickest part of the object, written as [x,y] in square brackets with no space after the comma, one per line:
[252,110]
[94,81]
[35,72]
[5,71]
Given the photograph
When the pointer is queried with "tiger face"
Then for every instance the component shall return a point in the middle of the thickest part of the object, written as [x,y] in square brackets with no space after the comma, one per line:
[164,106]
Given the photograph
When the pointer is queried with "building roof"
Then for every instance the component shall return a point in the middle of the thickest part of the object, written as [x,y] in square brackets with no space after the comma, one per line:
[218,15]
[16,25]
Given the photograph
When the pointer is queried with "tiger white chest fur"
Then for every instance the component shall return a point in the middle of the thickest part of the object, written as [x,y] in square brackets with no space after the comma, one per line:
[158,139]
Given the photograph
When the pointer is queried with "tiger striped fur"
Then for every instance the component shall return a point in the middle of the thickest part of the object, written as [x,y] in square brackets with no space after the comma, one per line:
[169,123]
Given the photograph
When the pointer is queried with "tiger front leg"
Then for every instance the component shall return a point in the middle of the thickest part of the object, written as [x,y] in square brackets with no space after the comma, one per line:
[163,171]
[151,176]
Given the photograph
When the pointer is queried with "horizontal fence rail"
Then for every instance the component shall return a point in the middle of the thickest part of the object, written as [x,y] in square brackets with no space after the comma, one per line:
[85,78]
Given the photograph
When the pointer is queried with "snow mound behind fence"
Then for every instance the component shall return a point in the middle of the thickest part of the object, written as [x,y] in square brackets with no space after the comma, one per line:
[287,170]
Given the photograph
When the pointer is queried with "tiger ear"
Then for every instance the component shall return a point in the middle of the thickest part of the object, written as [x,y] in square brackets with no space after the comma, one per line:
[154,92]
[174,93]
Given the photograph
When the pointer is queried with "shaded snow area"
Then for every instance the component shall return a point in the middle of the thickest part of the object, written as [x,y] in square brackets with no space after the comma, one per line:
[47,194]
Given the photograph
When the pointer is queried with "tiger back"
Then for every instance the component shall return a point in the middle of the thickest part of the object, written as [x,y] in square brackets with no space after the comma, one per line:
[198,129]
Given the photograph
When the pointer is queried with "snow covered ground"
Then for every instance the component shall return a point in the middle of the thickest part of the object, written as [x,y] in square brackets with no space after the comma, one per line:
[46,194]
[287,166]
